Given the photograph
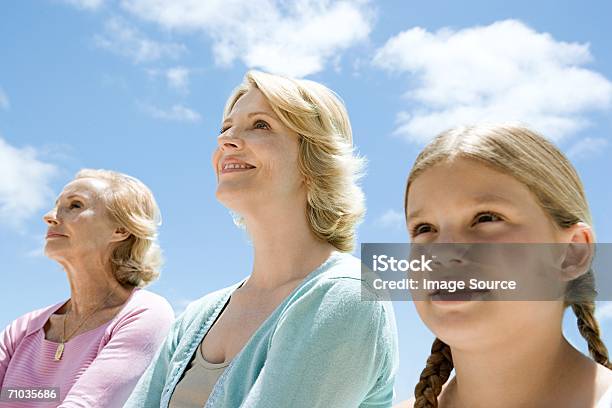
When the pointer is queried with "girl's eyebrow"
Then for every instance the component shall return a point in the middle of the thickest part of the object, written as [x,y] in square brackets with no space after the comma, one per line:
[487,198]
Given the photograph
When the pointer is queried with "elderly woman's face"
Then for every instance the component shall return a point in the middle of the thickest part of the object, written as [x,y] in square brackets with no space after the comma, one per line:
[256,158]
[79,225]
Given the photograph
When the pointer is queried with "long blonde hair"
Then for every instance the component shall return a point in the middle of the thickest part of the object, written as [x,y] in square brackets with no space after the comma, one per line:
[538,164]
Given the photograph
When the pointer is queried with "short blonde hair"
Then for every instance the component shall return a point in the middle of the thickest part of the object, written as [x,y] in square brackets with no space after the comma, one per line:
[136,260]
[335,203]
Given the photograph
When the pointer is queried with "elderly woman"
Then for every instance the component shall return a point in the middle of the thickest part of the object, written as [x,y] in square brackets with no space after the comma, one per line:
[93,347]
[301,330]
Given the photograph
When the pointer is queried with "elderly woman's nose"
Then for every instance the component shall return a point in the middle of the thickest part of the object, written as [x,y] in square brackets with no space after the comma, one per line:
[51,217]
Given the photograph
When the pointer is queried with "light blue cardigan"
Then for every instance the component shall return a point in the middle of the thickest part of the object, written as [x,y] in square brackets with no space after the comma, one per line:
[329,344]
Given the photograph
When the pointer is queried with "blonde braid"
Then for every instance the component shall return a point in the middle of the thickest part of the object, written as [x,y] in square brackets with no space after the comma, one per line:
[434,376]
[589,329]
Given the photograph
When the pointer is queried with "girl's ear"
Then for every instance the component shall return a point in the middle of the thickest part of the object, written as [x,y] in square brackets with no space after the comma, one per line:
[579,252]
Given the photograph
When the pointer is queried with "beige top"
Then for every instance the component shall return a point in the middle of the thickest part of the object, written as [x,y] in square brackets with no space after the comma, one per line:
[193,390]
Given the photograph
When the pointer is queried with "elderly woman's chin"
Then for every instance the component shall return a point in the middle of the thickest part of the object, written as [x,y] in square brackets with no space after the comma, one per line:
[54,248]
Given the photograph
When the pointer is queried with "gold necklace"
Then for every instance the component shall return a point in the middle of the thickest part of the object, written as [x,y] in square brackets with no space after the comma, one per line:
[60,347]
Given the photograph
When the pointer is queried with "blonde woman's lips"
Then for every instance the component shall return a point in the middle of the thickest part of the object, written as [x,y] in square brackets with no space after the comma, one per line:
[231,165]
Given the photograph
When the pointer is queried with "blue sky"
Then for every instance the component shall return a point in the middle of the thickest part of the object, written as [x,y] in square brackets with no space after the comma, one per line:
[138,86]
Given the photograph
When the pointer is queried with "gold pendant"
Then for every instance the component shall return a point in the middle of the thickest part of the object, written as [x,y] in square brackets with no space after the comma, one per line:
[59,352]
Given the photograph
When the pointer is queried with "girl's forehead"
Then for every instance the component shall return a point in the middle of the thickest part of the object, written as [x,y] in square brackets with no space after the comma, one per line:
[464,181]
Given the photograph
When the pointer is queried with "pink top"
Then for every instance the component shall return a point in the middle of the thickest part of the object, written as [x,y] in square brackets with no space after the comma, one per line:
[99,367]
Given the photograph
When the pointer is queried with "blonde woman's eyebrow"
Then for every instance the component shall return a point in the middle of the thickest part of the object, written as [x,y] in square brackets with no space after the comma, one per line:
[250,115]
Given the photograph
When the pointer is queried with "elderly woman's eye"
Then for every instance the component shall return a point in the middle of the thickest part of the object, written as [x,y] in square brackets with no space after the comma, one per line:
[223,130]
[261,124]
[76,204]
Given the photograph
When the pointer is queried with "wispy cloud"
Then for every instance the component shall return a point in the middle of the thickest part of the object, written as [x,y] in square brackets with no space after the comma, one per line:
[178,78]
[4,100]
[176,112]
[295,38]
[24,183]
[603,311]
[86,4]
[180,305]
[587,147]
[391,219]
[122,39]
[505,71]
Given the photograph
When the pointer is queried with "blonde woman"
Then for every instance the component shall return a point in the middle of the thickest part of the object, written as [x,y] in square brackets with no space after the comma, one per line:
[90,350]
[505,184]
[296,332]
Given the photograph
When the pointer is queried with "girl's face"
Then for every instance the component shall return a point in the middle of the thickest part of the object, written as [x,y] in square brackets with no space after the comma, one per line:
[465,201]
[256,158]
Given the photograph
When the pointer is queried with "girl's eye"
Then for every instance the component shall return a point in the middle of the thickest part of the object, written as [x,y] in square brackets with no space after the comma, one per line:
[484,216]
[487,216]
[419,229]
[261,124]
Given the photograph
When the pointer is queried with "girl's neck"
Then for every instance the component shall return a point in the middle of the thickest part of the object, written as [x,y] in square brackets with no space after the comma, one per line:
[517,374]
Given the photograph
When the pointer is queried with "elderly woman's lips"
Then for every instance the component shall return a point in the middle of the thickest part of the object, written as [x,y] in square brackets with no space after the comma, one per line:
[55,235]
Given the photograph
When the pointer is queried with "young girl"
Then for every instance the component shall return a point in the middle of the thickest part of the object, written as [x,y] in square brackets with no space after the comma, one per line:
[504,184]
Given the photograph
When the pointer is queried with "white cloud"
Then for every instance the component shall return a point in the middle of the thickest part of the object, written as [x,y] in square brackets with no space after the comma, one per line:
[603,311]
[505,72]
[4,100]
[122,39]
[177,113]
[587,147]
[294,38]
[24,184]
[178,78]
[86,4]
[391,219]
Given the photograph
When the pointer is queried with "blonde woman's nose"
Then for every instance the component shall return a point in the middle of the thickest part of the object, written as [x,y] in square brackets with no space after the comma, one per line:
[230,140]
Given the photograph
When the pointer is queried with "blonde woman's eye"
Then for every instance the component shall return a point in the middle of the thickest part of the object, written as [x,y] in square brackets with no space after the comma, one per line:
[261,124]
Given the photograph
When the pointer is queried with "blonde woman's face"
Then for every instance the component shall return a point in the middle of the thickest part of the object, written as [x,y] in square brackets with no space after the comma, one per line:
[467,202]
[256,158]
[78,226]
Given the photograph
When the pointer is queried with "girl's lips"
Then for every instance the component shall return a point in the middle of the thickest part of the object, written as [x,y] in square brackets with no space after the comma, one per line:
[458,296]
